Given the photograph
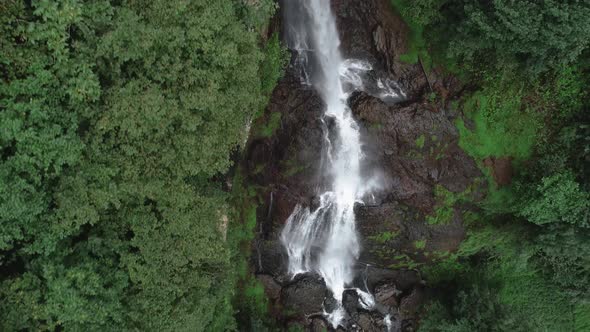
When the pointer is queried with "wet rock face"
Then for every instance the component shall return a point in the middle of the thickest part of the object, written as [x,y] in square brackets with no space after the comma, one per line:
[305,297]
[370,30]
[413,218]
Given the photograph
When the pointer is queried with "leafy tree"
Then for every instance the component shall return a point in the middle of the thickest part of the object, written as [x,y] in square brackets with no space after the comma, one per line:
[116,119]
[42,92]
[536,34]
[474,307]
[419,12]
[564,253]
[558,199]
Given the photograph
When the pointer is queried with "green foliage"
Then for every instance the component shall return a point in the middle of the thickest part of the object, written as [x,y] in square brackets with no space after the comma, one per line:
[558,199]
[255,14]
[43,95]
[582,317]
[564,254]
[384,237]
[537,35]
[475,308]
[445,267]
[421,244]
[116,119]
[420,141]
[255,298]
[524,266]
[273,123]
[530,295]
[568,90]
[250,302]
[276,58]
[418,12]
[496,286]
[502,125]
[445,206]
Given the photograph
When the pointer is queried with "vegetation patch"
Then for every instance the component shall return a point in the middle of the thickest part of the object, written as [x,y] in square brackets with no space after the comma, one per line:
[420,141]
[420,244]
[292,166]
[502,125]
[445,207]
[404,261]
[522,266]
[417,47]
[271,125]
[119,124]
[383,237]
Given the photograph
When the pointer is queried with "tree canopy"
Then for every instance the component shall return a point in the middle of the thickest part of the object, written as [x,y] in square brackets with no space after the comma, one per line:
[116,117]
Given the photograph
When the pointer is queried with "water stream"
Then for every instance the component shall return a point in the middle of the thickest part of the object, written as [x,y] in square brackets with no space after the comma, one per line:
[324,240]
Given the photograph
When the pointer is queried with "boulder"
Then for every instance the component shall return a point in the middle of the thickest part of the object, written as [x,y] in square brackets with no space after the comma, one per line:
[304,296]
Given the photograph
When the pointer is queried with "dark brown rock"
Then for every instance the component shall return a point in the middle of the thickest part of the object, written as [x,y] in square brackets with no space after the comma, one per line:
[387,294]
[318,325]
[501,169]
[304,296]
[410,305]
[271,288]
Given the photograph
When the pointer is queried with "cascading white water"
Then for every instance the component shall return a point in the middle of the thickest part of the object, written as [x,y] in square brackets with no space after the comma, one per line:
[325,240]
[331,227]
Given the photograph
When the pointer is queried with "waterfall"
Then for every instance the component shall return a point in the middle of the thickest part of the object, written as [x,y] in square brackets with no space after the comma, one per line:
[325,240]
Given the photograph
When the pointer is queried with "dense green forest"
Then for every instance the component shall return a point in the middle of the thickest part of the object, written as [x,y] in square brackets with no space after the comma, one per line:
[120,119]
[525,265]
[117,119]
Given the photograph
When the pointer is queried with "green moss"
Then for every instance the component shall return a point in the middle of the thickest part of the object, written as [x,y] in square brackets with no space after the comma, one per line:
[250,300]
[505,123]
[255,297]
[251,220]
[412,154]
[432,97]
[383,237]
[276,58]
[445,268]
[442,216]
[294,170]
[438,149]
[404,261]
[421,244]
[271,125]
[383,252]
[259,168]
[510,115]
[376,126]
[292,166]
[243,224]
[420,141]
[445,208]
[470,218]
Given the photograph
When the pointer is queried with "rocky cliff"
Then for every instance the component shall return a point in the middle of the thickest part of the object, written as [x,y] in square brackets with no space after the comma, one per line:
[415,217]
